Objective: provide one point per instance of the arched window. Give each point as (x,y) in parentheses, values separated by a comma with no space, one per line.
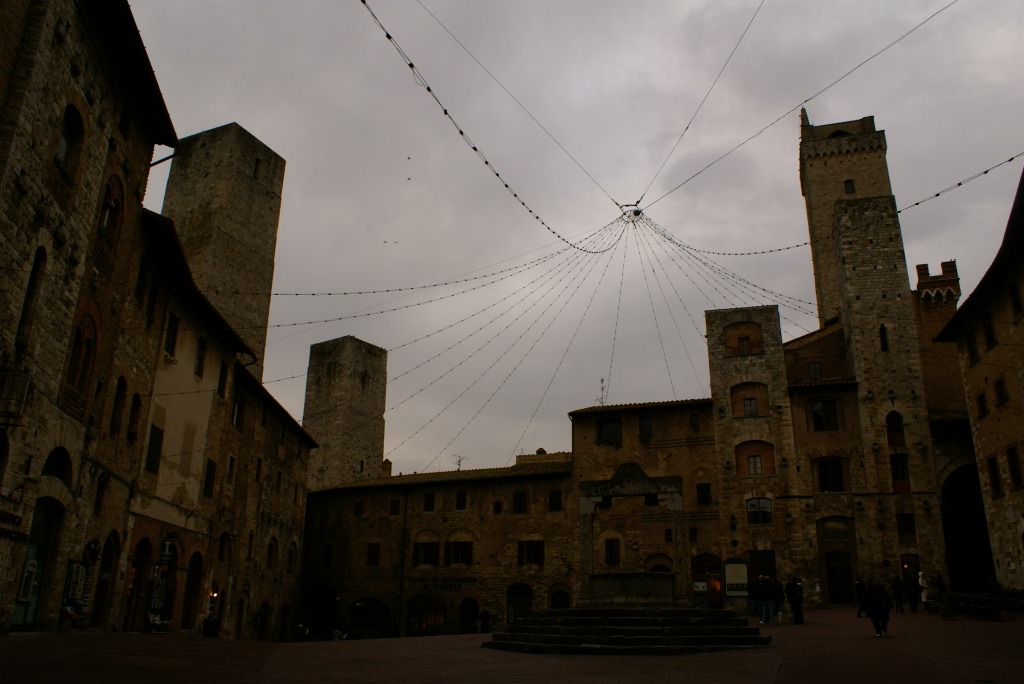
(743,338)
(293,556)
(749,400)
(83,353)
(894,429)
(755,458)
(646,428)
(271,553)
(102,485)
(58,465)
(23,338)
(134,413)
(69,143)
(117,408)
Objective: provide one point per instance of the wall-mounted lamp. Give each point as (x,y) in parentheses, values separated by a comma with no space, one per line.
(789,518)
(892,397)
(778,409)
(870,396)
(875,446)
(721,412)
(732,523)
(728,465)
(784,462)
(913,395)
(927,505)
(859,506)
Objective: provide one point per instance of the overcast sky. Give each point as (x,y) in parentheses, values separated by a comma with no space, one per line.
(381,192)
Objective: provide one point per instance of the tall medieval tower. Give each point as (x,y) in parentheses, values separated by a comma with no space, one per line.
(346,389)
(861,276)
(224,196)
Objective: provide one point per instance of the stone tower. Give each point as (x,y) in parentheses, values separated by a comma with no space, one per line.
(837,161)
(861,275)
(224,196)
(346,389)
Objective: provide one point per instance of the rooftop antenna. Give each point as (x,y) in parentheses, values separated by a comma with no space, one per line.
(458,461)
(602,398)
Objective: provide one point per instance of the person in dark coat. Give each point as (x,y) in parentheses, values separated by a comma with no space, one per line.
(877,604)
(898,591)
(913,592)
(795,596)
(858,594)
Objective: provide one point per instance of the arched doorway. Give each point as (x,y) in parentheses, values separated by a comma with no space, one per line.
(193,591)
(104,581)
(38,570)
(707,581)
(469,615)
(837,544)
(426,616)
(137,586)
(518,601)
(262,621)
(285,618)
(370,618)
(239,618)
(560,597)
(968,551)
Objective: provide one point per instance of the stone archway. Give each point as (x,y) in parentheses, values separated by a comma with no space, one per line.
(36,598)
(193,591)
(102,595)
(968,551)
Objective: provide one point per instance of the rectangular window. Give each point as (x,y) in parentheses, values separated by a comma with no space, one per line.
(703,493)
(357,509)
(171,338)
(693,535)
(1015,303)
(982,405)
(995,480)
(531,553)
(425,553)
(1002,396)
(611,552)
(555,500)
(759,511)
(259,469)
(222,380)
(460,500)
(824,417)
(1013,465)
(428,502)
(650,499)
(694,421)
(373,554)
(519,502)
(743,345)
(906,529)
(328,556)
(899,467)
(749,408)
(814,371)
(496,508)
(972,348)
(668,535)
(458,553)
(238,410)
(156,445)
(394,507)
(209,478)
(989,331)
(830,475)
(231,470)
(200,365)
(755,465)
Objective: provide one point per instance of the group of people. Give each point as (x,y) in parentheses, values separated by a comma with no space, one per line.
(875,601)
(768,596)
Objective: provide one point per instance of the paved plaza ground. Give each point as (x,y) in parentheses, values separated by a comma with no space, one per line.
(833,647)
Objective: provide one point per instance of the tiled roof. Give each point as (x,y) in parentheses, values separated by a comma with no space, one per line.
(646,404)
(563,467)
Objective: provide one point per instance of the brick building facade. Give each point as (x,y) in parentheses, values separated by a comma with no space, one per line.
(837,454)
(147,480)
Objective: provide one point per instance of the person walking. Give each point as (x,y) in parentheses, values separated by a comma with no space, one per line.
(795,596)
(898,591)
(877,604)
(858,594)
(913,592)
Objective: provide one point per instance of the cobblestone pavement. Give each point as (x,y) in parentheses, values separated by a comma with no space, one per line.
(834,646)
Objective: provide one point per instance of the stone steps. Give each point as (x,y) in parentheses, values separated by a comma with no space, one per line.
(629,631)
